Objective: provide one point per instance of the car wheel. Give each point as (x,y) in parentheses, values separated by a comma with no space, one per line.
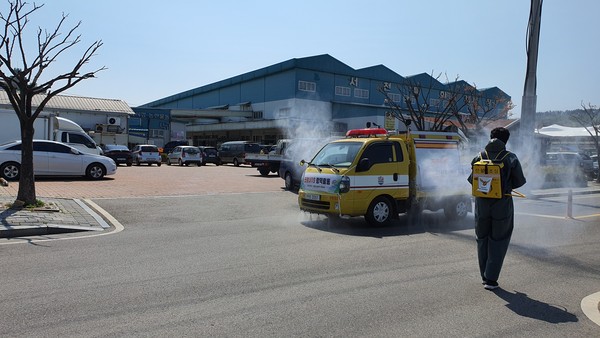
(289,182)
(380,212)
(235,162)
(168,161)
(158,164)
(264,172)
(456,209)
(95,171)
(129,163)
(180,162)
(137,161)
(10,171)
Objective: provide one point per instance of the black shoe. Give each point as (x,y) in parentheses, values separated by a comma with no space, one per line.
(491,285)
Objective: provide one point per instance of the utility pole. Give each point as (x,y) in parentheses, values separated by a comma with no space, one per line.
(528,105)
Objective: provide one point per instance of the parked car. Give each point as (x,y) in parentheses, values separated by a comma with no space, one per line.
(52,158)
(210,155)
(571,159)
(146,153)
(172,144)
(235,151)
(119,153)
(595,165)
(185,155)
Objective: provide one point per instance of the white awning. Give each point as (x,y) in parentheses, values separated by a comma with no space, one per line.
(556,130)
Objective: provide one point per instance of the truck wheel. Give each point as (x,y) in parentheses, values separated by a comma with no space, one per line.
(456,209)
(380,212)
(95,171)
(10,171)
(235,162)
(289,182)
(264,172)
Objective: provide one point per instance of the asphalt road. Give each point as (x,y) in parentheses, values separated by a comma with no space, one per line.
(250,264)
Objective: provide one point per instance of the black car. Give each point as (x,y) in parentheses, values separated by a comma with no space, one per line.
(120,154)
(171,145)
(210,155)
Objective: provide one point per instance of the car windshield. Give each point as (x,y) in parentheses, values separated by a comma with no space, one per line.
(339,154)
(110,147)
(252,148)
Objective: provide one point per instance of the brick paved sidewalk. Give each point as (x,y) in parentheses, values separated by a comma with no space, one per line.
(58,216)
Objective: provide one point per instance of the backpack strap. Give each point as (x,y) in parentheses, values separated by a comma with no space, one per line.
(506,152)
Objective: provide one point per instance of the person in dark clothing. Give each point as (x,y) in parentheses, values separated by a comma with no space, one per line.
(494,218)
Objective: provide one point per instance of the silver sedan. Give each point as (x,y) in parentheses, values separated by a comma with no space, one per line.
(54,159)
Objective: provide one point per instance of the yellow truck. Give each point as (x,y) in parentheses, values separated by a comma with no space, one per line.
(374,174)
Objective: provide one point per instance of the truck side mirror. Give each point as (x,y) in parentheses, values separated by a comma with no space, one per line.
(363,165)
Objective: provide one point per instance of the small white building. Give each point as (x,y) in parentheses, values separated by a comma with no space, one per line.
(105,120)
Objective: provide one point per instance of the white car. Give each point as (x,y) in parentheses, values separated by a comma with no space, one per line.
(52,158)
(185,155)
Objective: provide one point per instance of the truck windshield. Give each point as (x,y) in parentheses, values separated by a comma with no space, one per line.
(339,154)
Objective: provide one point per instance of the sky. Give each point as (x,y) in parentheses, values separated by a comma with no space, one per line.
(153,49)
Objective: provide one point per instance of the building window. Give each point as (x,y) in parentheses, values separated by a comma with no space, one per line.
(306,86)
(284,113)
(135,122)
(157,133)
(342,91)
(394,97)
(361,93)
(257,114)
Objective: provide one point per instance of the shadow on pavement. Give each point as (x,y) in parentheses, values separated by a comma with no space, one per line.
(524,306)
(429,222)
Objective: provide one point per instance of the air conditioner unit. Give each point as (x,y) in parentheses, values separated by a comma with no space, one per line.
(113,120)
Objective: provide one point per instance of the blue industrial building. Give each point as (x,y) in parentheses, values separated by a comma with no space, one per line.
(299,97)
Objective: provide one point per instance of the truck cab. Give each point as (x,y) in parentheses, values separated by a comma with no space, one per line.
(375,175)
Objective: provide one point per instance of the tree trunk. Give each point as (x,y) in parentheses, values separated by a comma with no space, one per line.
(26,192)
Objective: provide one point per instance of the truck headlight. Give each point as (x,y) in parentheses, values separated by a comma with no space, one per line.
(345,184)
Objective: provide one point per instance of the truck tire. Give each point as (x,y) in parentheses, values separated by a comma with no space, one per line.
(456,208)
(95,171)
(289,182)
(11,171)
(380,212)
(264,171)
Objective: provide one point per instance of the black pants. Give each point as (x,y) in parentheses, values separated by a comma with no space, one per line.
(494,223)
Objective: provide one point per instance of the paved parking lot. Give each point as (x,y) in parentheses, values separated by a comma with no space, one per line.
(145,181)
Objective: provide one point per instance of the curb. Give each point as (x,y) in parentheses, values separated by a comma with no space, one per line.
(40,230)
(27,223)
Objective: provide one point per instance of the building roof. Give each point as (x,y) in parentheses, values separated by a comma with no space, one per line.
(76,103)
(557,130)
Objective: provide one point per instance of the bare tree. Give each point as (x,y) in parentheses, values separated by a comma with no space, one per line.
(21,75)
(589,118)
(437,109)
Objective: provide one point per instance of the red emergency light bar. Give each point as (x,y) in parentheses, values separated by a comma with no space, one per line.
(366,132)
